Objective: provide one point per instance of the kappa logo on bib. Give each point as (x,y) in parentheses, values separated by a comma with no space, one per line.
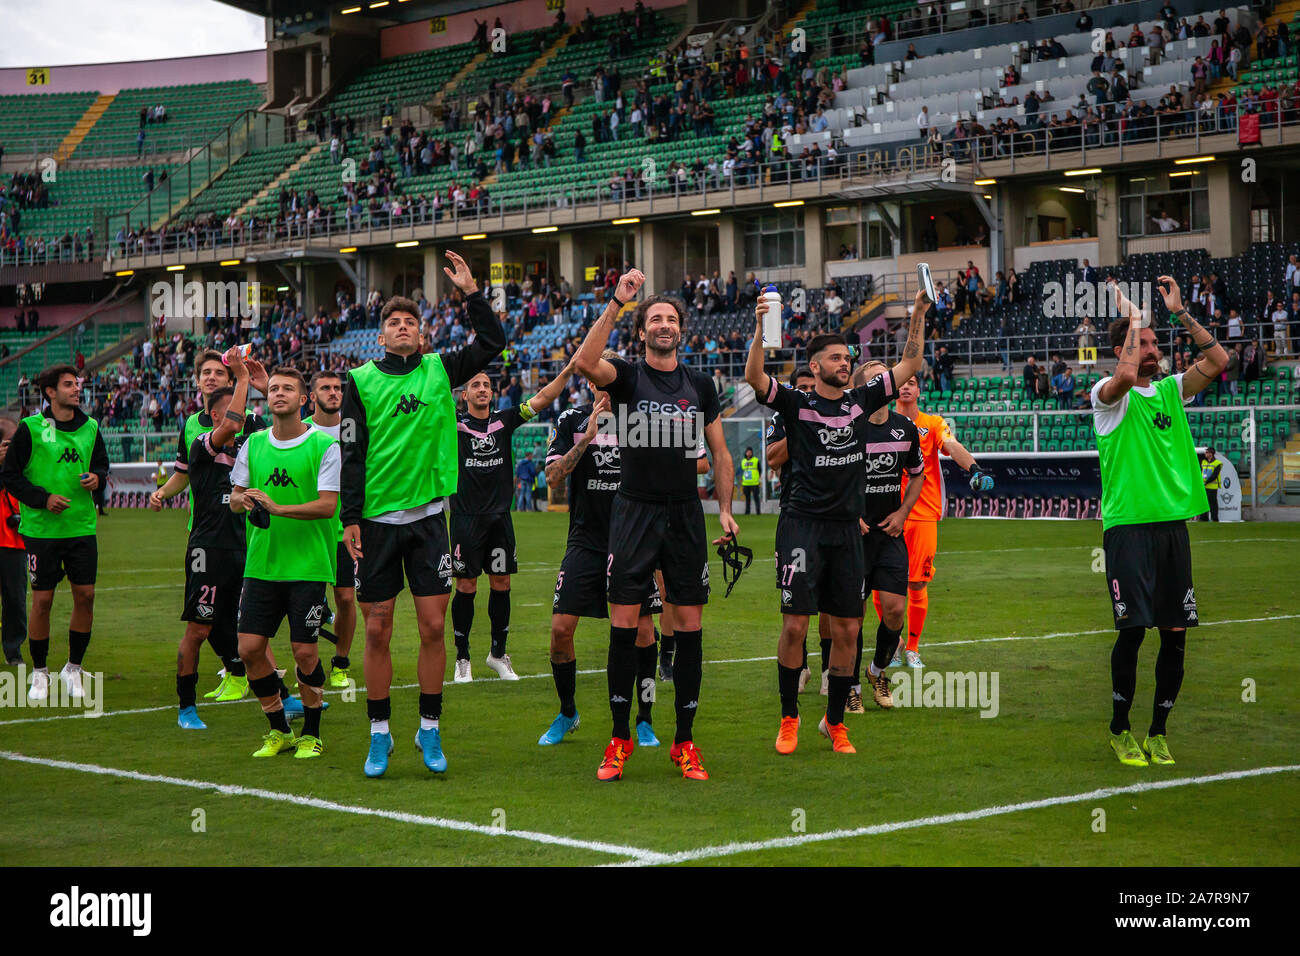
(69,454)
(407,405)
(279,478)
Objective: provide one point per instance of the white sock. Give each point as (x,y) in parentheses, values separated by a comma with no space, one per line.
(43,670)
(857,688)
(428,723)
(74,668)
(379,726)
(871,669)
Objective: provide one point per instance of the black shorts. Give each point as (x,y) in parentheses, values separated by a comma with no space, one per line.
(580,586)
(418,548)
(1149,571)
(482,544)
(49,559)
(819,566)
(645,535)
(885,559)
(345,572)
(263,606)
(214,578)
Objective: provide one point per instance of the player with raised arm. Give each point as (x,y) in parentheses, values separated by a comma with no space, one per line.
(819,550)
(399,464)
(1150,486)
(893,449)
(657,518)
(56,462)
(921,531)
(211,374)
(590,458)
(482,532)
(777,453)
(327,399)
(288,478)
(215,551)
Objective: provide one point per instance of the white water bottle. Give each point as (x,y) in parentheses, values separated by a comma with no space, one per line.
(243,350)
(772,318)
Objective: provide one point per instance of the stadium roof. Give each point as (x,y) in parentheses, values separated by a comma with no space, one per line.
(395,11)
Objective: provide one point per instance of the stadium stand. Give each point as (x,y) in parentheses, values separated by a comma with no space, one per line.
(194,114)
(39,121)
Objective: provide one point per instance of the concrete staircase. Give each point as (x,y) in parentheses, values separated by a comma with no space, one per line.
(83,126)
(278,180)
(526,77)
(436,103)
(803,11)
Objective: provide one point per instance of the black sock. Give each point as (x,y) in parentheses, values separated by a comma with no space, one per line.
(566,685)
(857,663)
(805,654)
(381,709)
(826,654)
(620,677)
(667,644)
(837,696)
(688,671)
(185,689)
(235,668)
(278,720)
(78,641)
(886,644)
(311,721)
(1123,675)
(338,663)
(499,616)
(40,652)
(1169,678)
(284,690)
(225,644)
(430,706)
(462,619)
(787,682)
(645,683)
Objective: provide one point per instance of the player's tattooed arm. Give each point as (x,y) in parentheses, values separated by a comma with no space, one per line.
(912,361)
(551,390)
(560,469)
(1129,354)
(1213,358)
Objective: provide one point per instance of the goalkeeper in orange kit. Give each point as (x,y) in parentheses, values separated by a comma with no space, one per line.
(921,531)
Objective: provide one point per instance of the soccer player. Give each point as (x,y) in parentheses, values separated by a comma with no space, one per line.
(327,398)
(893,448)
(399,463)
(591,459)
(657,519)
(289,478)
(211,373)
(482,532)
(921,531)
(1150,485)
(55,463)
(819,549)
(778,457)
(214,554)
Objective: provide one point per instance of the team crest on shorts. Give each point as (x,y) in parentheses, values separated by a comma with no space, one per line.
(205,611)
(1121,610)
(315,615)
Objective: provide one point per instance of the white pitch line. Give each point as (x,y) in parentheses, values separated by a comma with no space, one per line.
(443,823)
(601,670)
(732,849)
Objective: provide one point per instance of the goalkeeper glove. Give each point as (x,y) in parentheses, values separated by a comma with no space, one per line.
(980,480)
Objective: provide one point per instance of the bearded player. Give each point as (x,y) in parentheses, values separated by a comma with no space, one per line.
(921,532)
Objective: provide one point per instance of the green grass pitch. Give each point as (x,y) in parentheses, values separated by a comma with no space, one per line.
(1020,598)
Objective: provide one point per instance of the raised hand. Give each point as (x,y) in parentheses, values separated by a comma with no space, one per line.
(257,376)
(629,284)
(460,275)
(1170,292)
